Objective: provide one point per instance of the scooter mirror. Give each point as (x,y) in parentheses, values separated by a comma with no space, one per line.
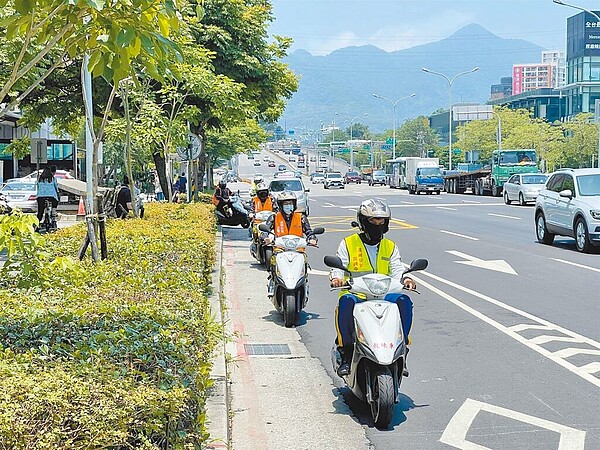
(264,227)
(418,264)
(354,224)
(334,261)
(319,230)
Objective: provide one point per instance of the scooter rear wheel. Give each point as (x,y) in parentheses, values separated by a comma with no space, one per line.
(268,255)
(289,310)
(382,407)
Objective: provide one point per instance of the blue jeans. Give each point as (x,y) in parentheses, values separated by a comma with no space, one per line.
(345,322)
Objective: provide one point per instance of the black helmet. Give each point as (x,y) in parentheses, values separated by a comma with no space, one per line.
(222,184)
(373,208)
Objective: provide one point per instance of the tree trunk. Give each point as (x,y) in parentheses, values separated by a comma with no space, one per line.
(161,169)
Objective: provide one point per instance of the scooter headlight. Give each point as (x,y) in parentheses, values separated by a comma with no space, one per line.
(360,336)
(378,287)
(291,244)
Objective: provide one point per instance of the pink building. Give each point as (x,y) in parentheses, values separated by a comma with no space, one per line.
(527,77)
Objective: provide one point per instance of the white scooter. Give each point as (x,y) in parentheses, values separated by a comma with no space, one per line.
(289,275)
(379,352)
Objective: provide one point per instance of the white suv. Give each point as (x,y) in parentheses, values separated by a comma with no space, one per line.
(333,179)
(569,205)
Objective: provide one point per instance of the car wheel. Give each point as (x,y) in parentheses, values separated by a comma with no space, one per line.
(582,238)
(521,199)
(541,231)
(506,199)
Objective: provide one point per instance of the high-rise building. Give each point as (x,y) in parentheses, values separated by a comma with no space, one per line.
(504,89)
(528,77)
(556,58)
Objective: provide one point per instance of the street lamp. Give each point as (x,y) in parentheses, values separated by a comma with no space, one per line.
(560,2)
(394,121)
(351,120)
(450,81)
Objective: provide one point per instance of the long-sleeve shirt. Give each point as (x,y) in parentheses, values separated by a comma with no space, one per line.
(396,266)
(48,189)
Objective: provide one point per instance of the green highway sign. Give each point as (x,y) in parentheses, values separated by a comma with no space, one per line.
(366,147)
(343,150)
(456,151)
(389,141)
(323,144)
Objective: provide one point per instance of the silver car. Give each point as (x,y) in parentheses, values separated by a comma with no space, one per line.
(569,205)
(294,185)
(21,194)
(523,187)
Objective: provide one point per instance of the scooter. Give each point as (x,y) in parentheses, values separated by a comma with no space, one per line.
(259,248)
(235,213)
(289,276)
(4,206)
(379,355)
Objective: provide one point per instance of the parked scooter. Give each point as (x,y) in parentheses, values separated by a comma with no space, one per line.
(4,206)
(378,359)
(235,213)
(289,275)
(258,248)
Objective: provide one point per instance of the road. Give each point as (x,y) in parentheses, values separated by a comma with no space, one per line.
(506,336)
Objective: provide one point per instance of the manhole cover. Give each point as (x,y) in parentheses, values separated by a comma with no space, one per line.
(267,349)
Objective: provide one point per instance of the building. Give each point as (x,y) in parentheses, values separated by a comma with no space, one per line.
(545,103)
(504,89)
(582,87)
(556,58)
(529,77)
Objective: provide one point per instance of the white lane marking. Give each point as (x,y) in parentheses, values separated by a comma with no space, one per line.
(591,367)
(407,204)
(318,272)
(455,433)
(576,265)
(544,339)
(568,352)
(505,217)
(472,201)
(459,235)
(525,326)
(445,207)
(499,265)
(508,331)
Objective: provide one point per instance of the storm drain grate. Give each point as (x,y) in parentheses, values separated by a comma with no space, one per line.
(267,349)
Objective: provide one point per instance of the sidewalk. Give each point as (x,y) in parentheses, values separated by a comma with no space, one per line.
(269,393)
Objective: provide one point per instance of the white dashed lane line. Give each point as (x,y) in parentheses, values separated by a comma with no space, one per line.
(576,265)
(459,235)
(505,217)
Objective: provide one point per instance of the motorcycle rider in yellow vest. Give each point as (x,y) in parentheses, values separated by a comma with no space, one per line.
(362,253)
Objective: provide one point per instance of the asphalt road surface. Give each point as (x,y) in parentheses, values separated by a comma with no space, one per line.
(506,335)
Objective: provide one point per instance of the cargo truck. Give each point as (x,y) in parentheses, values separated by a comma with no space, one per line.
(488,179)
(424,175)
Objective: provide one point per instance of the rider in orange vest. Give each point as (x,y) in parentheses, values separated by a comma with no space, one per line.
(262,201)
(290,221)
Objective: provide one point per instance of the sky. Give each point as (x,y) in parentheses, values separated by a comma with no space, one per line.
(322,26)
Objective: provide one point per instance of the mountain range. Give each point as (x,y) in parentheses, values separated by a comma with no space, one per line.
(345,80)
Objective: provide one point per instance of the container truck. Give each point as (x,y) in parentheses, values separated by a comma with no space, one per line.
(488,179)
(424,175)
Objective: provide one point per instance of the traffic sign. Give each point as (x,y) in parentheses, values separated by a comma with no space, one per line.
(386,146)
(456,151)
(366,147)
(343,150)
(389,141)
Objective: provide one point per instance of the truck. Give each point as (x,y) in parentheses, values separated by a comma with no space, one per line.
(488,179)
(424,175)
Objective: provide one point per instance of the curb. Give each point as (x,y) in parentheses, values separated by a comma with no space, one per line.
(218,423)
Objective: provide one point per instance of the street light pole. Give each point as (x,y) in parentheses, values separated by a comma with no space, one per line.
(560,2)
(394,118)
(351,120)
(450,82)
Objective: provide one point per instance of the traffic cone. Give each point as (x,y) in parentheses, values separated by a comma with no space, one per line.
(81,209)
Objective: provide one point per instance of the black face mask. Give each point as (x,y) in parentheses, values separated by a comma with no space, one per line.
(373,233)
(262,196)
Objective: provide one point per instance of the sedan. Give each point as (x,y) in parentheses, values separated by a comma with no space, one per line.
(271,163)
(523,187)
(21,194)
(282,168)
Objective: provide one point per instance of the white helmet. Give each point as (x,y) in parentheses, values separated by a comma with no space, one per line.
(373,208)
(286,196)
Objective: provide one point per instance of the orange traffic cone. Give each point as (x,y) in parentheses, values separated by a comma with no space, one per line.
(81,209)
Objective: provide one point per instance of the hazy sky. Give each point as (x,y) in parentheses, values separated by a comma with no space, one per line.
(321,26)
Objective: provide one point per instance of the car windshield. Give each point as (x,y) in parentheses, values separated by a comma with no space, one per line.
(589,185)
(286,185)
(19,187)
(534,179)
(522,157)
(379,173)
(352,174)
(334,175)
(430,171)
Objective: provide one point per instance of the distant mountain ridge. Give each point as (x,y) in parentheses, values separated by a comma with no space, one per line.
(345,80)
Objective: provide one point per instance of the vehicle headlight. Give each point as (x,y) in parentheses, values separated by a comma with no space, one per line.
(378,287)
(291,244)
(360,335)
(595,213)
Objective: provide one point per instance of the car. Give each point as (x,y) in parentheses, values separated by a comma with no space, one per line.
(377,177)
(569,205)
(282,168)
(523,187)
(292,158)
(313,159)
(333,179)
(294,185)
(272,163)
(62,174)
(250,156)
(21,194)
(297,174)
(265,158)
(301,165)
(352,177)
(317,178)
(257,162)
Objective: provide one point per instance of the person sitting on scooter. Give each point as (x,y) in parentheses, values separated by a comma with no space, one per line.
(222,196)
(289,221)
(262,201)
(362,253)
(258,179)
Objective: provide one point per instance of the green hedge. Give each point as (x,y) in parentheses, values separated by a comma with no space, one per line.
(115,354)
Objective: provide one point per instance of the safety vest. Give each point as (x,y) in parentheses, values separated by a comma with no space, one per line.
(359,258)
(214,200)
(281,228)
(260,206)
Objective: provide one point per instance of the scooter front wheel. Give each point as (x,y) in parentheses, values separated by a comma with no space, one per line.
(382,406)
(268,255)
(289,310)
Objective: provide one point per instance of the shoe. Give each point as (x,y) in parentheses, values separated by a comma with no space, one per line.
(346,354)
(270,288)
(405,370)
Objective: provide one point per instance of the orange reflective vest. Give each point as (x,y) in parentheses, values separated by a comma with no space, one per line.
(281,228)
(214,200)
(260,206)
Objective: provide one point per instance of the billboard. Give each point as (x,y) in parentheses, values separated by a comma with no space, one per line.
(583,35)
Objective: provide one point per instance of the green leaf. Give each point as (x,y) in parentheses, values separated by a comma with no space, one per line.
(200,12)
(125,37)
(24,7)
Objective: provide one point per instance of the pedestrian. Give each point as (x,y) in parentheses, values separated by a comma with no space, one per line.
(123,199)
(183,183)
(158,188)
(47,189)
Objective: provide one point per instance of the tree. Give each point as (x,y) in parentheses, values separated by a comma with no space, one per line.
(415,138)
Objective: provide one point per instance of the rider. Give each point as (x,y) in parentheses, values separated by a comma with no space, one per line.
(262,201)
(258,179)
(221,196)
(289,221)
(47,189)
(362,253)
